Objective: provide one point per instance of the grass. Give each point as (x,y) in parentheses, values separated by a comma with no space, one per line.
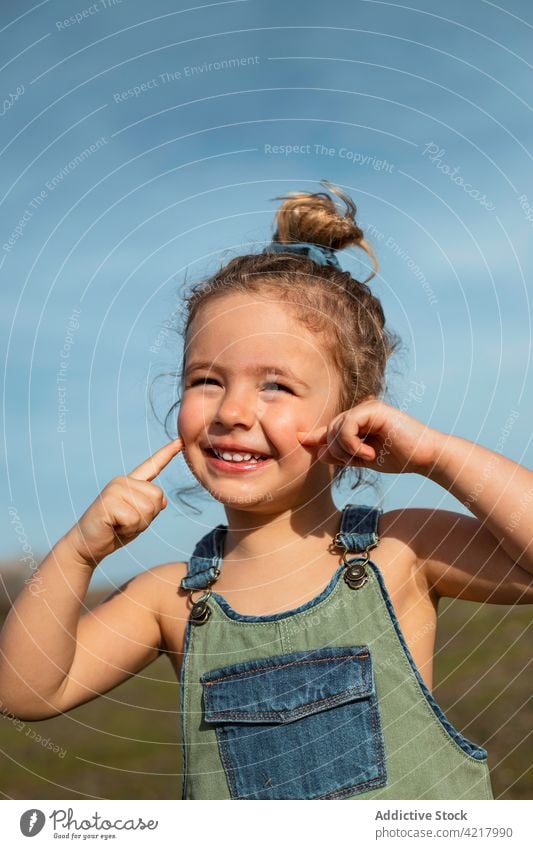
(125,745)
(483,684)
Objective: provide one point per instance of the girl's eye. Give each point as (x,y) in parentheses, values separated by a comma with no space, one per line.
(278,386)
(202,381)
(271,385)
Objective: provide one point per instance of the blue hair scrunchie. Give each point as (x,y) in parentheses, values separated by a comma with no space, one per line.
(317,253)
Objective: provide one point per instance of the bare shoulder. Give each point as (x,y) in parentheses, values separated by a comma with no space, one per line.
(398,556)
(397,524)
(397,531)
(167,576)
(172,606)
(457,556)
(151,586)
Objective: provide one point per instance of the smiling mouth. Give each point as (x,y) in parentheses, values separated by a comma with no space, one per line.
(237,458)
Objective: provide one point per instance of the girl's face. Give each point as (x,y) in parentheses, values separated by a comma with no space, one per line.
(253,377)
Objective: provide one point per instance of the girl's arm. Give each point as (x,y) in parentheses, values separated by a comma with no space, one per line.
(497,490)
(488,558)
(50,659)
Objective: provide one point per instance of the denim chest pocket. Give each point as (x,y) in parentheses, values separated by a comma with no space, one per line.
(304,725)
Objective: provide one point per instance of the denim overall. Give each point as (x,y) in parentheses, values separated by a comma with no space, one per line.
(320,702)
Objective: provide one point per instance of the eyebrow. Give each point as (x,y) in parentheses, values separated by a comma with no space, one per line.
(280,371)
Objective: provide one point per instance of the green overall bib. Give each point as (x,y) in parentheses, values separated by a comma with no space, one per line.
(320,702)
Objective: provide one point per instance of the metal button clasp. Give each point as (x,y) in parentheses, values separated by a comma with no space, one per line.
(200,611)
(355,574)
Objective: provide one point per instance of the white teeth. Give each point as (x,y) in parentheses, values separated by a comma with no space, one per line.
(237,457)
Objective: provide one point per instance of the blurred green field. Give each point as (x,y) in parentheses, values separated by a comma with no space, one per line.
(483,684)
(125,744)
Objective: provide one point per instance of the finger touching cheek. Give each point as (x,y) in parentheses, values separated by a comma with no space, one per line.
(324,455)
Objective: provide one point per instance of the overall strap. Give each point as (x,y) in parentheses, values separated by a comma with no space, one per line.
(205,561)
(359,527)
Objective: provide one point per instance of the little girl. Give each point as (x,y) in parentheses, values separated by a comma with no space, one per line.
(303,635)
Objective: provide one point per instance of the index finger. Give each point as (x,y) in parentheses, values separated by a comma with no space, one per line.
(151,467)
(319,436)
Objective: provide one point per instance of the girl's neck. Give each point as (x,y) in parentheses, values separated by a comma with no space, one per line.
(285,534)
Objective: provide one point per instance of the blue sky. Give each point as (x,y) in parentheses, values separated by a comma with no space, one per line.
(142,142)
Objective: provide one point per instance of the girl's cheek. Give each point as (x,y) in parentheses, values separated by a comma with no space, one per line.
(284,428)
(189,419)
(279,422)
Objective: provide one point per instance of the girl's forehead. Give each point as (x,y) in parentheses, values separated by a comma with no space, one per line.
(249,328)
(247,319)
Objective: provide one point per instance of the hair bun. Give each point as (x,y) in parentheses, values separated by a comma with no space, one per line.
(315,218)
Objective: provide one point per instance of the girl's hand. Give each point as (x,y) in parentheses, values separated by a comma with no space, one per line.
(123,510)
(376,436)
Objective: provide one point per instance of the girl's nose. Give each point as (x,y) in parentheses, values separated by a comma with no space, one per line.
(236,408)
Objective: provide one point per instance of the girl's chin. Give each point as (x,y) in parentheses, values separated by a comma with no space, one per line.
(245,502)
(230,489)
(233,491)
